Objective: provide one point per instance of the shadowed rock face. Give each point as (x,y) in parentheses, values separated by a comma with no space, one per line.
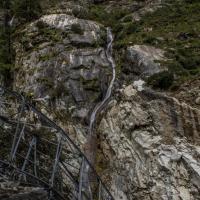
(150,143)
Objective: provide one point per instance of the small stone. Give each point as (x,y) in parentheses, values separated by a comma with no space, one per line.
(184,193)
(197,101)
(129,91)
(139,85)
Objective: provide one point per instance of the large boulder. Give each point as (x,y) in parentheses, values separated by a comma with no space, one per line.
(82,31)
(61,60)
(141,60)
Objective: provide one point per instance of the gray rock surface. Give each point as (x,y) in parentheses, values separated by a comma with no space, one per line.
(58,64)
(189,93)
(91,30)
(1,80)
(150,143)
(142,60)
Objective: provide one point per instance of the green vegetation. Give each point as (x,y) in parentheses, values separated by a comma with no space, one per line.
(22,9)
(175,28)
(49,33)
(80,13)
(76,28)
(26,9)
(99,13)
(5,53)
(5,42)
(162,80)
(44,33)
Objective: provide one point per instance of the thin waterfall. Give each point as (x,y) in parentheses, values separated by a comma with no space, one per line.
(100,105)
(85,171)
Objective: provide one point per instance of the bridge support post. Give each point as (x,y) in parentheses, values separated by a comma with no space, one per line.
(17,130)
(32,143)
(18,141)
(57,157)
(81,179)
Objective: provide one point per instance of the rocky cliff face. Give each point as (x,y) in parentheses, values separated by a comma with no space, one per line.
(141,61)
(150,143)
(147,143)
(61,63)
(60,57)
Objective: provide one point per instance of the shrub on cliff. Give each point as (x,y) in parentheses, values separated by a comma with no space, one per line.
(162,80)
(26,9)
(76,28)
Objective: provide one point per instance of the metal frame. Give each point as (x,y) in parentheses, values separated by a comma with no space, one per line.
(42,154)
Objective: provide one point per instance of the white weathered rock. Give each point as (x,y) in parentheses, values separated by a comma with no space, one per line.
(129,91)
(139,85)
(91,30)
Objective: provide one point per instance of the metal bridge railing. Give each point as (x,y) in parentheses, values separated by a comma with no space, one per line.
(37,152)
